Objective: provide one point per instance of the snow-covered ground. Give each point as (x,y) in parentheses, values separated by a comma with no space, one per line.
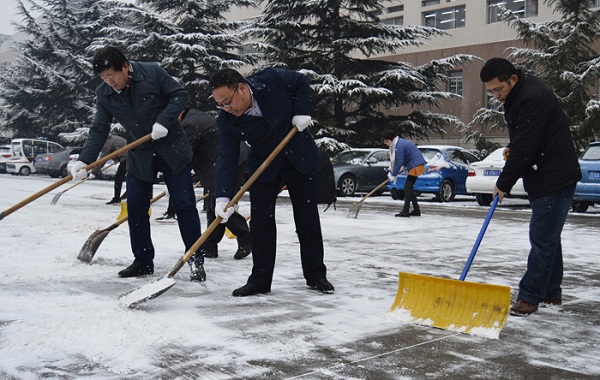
(61,318)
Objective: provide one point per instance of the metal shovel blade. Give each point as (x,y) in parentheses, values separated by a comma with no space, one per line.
(91,245)
(56,197)
(147,292)
(466,307)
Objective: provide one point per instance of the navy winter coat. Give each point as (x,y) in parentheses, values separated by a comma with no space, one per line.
(281,94)
(155,98)
(541,145)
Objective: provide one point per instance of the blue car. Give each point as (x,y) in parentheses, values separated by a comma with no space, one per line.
(587,192)
(446,172)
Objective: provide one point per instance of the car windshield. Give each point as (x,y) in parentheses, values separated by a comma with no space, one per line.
(350,157)
(592,153)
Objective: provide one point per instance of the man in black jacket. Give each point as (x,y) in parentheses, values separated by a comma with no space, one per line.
(541,151)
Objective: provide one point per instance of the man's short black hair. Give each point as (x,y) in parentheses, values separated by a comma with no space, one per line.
(388,134)
(108,57)
(225,77)
(497,68)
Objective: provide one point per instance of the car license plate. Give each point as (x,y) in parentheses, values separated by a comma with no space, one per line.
(594,175)
(492,172)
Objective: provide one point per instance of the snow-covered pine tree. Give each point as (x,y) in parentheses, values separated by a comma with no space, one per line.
(564,54)
(190,39)
(336,42)
(50,88)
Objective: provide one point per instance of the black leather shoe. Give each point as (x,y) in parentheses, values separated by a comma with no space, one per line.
(136,270)
(415,213)
(321,285)
(249,290)
(403,214)
(114,201)
(242,252)
(211,253)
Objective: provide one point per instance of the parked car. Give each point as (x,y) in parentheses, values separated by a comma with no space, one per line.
(5,155)
(361,169)
(55,164)
(25,152)
(445,173)
(109,170)
(483,176)
(587,192)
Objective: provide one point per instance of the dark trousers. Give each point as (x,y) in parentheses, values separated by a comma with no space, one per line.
(544,274)
(302,189)
(409,194)
(119,178)
(138,202)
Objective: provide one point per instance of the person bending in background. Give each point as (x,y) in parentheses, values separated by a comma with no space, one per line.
(404,153)
(203,135)
(543,154)
(261,110)
(145,99)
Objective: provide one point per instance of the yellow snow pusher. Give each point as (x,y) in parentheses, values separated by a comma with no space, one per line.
(457,305)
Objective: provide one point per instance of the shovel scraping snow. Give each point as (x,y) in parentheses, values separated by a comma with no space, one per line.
(457,305)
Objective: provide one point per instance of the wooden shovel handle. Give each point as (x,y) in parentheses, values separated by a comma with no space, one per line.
(61,182)
(209,230)
(374,191)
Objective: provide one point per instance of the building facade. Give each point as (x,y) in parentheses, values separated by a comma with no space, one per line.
(473,27)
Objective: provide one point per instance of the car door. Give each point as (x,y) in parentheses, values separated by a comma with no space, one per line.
(374,170)
(461,170)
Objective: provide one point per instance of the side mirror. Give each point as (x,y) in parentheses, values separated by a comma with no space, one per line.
(372,160)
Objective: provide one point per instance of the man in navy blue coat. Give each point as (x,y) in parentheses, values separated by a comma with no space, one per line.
(144,99)
(261,110)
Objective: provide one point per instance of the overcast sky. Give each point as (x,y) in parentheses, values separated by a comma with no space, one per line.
(7,15)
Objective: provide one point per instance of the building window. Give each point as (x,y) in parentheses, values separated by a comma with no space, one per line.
(426,3)
(521,8)
(394,20)
(455,82)
(596,4)
(396,8)
(447,18)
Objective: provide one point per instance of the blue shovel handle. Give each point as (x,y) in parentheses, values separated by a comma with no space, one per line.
(479,238)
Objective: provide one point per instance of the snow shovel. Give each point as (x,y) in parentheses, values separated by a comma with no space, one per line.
(158,287)
(57,196)
(61,182)
(355,209)
(457,305)
(97,237)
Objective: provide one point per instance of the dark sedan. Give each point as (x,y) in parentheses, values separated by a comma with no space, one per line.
(360,170)
(55,164)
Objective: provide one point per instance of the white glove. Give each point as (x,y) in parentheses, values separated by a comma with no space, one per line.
(78,170)
(224,214)
(158,131)
(92,176)
(392,178)
(301,122)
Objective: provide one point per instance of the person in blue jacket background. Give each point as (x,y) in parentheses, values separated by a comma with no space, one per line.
(405,156)
(145,99)
(261,109)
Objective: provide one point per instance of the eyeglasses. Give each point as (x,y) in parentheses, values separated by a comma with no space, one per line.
(498,90)
(224,105)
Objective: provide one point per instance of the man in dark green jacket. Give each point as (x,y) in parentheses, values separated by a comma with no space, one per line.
(541,151)
(144,99)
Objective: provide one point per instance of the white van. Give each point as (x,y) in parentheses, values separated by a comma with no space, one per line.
(24,153)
